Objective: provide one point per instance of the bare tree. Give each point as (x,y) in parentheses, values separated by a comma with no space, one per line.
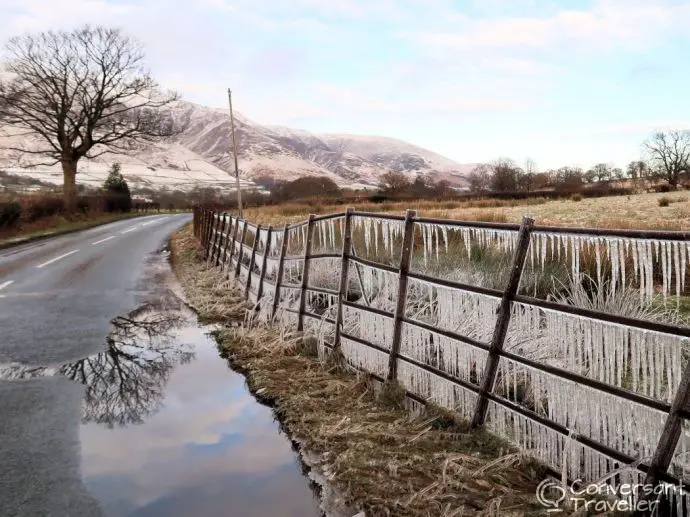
(669,155)
(602,172)
(393,182)
(479,179)
(638,171)
(526,181)
(505,175)
(82,93)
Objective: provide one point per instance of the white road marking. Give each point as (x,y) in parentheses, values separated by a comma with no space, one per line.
(6,284)
(52,261)
(156,220)
(103,240)
(130,229)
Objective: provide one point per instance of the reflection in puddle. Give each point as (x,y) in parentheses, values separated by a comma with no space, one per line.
(210,449)
(126,383)
(167,429)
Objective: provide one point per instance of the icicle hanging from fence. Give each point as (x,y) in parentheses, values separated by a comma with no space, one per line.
(461,360)
(644,361)
(321,304)
(617,260)
(434,236)
(365,358)
(438,390)
(321,330)
(553,448)
(472,315)
(380,287)
(623,425)
(368,326)
(384,232)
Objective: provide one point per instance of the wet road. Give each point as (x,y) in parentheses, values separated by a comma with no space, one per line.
(58,296)
(138,417)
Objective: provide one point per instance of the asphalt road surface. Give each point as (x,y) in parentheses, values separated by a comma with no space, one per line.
(57,298)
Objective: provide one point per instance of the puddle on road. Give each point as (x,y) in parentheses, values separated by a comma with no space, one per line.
(171,431)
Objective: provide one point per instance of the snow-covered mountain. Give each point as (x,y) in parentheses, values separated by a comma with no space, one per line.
(202,155)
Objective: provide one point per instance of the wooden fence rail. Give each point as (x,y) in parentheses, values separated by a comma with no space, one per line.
(223,238)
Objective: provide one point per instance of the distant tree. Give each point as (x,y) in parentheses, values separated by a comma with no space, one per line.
(526,181)
(505,175)
(119,198)
(307,187)
(393,182)
(618,174)
(82,93)
(638,169)
(479,179)
(669,155)
(441,188)
(568,178)
(600,172)
(541,180)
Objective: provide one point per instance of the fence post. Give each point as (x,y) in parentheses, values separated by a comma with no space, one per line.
(195,221)
(252,260)
(344,275)
(267,249)
(668,441)
(202,228)
(240,253)
(305,274)
(502,321)
(209,232)
(235,229)
(202,222)
(405,258)
(231,224)
(217,221)
(279,273)
(218,243)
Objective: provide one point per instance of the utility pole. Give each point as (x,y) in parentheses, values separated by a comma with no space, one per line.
(234,152)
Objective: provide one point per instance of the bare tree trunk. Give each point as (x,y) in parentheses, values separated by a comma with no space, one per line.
(69,187)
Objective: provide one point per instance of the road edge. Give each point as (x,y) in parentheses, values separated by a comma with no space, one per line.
(37,238)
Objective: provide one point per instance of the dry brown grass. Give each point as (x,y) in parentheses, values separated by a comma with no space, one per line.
(627,212)
(381,458)
(210,293)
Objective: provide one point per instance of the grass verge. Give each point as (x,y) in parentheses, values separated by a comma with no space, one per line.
(380,457)
(53,226)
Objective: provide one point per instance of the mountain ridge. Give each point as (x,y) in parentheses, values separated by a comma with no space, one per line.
(202,155)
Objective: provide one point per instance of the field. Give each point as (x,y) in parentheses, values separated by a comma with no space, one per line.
(635,211)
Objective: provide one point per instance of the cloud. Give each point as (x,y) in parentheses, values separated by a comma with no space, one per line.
(607,25)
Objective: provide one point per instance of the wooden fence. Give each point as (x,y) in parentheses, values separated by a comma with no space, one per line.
(611,401)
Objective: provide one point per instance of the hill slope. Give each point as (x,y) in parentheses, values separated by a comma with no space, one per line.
(202,155)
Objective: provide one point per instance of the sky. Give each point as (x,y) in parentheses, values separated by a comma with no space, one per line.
(572,82)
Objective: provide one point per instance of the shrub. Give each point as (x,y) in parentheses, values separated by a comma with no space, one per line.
(576,197)
(40,207)
(10,214)
(665,187)
(664,201)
